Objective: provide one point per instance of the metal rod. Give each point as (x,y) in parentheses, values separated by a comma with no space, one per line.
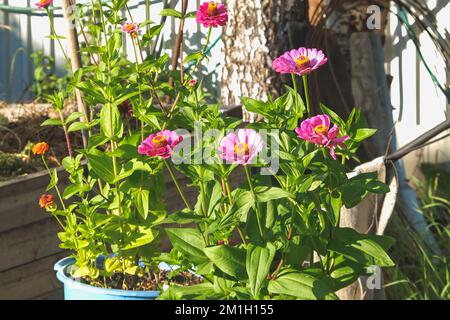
(413,145)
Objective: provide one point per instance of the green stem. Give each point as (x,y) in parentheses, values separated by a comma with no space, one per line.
(174,179)
(52,26)
(56,186)
(294,83)
(258,212)
(66,134)
(230,198)
(305,87)
(189,77)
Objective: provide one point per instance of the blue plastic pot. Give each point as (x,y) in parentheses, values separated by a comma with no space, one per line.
(75,290)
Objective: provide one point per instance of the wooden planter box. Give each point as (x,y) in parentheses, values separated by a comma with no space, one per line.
(29,246)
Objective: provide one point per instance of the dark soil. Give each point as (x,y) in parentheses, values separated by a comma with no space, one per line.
(149,282)
(20,128)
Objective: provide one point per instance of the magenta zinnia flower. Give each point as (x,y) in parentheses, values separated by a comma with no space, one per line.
(42,4)
(160,144)
(301,62)
(317,130)
(212,14)
(241,148)
(130,28)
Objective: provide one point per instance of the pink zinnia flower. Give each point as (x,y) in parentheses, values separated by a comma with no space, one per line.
(130,28)
(317,130)
(160,144)
(212,14)
(42,4)
(302,61)
(241,148)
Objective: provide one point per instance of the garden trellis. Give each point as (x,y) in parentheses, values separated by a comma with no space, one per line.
(24,30)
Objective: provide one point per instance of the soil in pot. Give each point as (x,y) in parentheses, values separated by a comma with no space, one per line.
(148,282)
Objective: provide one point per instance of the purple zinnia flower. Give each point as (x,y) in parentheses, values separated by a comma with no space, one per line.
(212,14)
(317,130)
(160,144)
(241,148)
(301,62)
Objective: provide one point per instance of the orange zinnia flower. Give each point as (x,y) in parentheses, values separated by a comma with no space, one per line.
(46,201)
(40,148)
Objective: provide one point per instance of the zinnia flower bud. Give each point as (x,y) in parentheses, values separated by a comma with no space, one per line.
(241,148)
(212,14)
(40,148)
(301,62)
(126,109)
(317,130)
(192,83)
(160,144)
(42,4)
(46,201)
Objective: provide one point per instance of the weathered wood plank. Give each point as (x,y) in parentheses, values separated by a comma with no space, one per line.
(53,295)
(34,241)
(33,280)
(19,199)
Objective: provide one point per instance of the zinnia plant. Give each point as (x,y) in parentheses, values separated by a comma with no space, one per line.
(255,230)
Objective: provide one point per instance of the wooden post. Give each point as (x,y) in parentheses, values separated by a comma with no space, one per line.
(75,58)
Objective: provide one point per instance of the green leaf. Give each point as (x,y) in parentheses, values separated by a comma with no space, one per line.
(199,291)
(74,189)
(53,179)
(334,117)
(88,88)
(358,187)
(242,202)
(363,134)
(141,200)
(230,260)
(110,123)
(188,241)
(193,56)
(301,285)
(345,272)
(74,116)
(171,13)
(102,165)
(191,14)
(143,236)
(348,242)
(185,216)
(51,122)
(255,106)
(258,264)
(265,194)
(77,126)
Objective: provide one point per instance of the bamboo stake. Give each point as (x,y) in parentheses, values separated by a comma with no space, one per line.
(75,59)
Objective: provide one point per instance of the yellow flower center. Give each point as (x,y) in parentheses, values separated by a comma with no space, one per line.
(129,27)
(321,129)
(212,8)
(302,61)
(241,149)
(158,141)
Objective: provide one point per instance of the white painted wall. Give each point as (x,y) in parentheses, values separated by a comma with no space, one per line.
(418,102)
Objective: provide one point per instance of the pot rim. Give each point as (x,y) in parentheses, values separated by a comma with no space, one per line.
(62,275)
